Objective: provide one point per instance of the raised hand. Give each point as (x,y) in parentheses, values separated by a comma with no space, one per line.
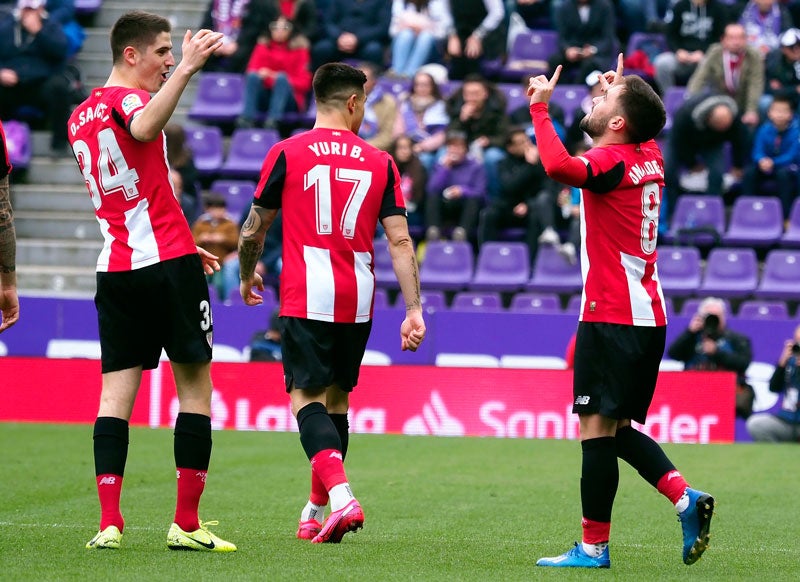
(540,88)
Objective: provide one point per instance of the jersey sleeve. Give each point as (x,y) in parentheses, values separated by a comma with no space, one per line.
(127,105)
(273,176)
(393,203)
(557,162)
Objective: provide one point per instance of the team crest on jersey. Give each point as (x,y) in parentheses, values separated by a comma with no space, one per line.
(131,103)
(210,338)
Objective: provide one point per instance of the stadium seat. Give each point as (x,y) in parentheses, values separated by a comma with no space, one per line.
(432,300)
(87,6)
(679,270)
(673,99)
(238,195)
(573,305)
(477,301)
(757,309)
(569,97)
(535,303)
(516,96)
(690,306)
(448,266)
(383,269)
(781,277)
(528,55)
(501,266)
(791,238)
(698,220)
(649,42)
(247,151)
(730,273)
(755,221)
(19,143)
(219,98)
(553,273)
(207,148)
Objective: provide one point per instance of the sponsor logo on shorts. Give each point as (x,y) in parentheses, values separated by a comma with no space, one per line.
(582,400)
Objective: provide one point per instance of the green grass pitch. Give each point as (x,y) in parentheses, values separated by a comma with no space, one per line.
(436,509)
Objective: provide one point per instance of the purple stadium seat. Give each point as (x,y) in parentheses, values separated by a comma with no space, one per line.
(697,220)
(247,151)
(395,87)
(673,99)
(238,194)
(690,306)
(730,273)
(431,300)
(383,269)
(87,6)
(516,96)
(791,238)
(220,98)
(381,300)
(573,305)
(528,55)
(781,277)
(554,274)
(755,221)
(755,309)
(447,265)
(569,97)
(679,270)
(649,42)
(501,266)
(535,303)
(477,301)
(18,143)
(207,148)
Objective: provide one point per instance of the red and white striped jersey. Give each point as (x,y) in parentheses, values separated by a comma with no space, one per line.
(620,207)
(332,188)
(5,163)
(128,181)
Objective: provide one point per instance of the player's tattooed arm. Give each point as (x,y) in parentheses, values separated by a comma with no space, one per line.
(251,239)
(8,240)
(414,302)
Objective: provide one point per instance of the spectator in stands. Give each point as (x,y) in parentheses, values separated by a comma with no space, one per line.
(478,34)
(773,168)
(732,67)
(701,128)
(782,69)
(693,25)
(265,345)
(217,232)
(380,110)
(576,135)
(185,178)
(525,196)
(278,78)
(478,110)
(416,28)
(33,50)
(413,178)
(708,344)
(422,115)
(354,29)
(782,425)
(456,190)
(764,21)
(536,14)
(587,38)
(643,15)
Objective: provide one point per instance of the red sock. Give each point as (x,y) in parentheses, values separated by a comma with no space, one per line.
(595,532)
(672,485)
(109,489)
(319,495)
(328,466)
(191,483)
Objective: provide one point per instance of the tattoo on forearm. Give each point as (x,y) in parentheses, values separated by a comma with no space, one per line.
(251,240)
(8,239)
(414,302)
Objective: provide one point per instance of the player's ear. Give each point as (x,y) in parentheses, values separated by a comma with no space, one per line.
(352,102)
(617,123)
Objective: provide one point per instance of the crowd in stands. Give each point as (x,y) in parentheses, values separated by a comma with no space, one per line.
(455,120)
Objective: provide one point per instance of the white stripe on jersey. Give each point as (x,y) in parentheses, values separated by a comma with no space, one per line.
(657,279)
(320,286)
(365,283)
(105,254)
(641,304)
(140,234)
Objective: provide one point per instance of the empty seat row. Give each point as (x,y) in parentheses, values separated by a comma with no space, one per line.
(245,156)
(755,221)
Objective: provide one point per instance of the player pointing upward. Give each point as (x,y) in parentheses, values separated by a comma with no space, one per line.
(622,327)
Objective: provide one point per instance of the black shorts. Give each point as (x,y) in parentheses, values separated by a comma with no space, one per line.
(165,305)
(318,354)
(616,368)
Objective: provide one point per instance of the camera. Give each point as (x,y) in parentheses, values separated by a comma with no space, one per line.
(796,349)
(711,326)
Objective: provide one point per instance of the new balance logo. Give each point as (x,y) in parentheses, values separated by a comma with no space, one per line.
(672,474)
(335,455)
(108,480)
(582,400)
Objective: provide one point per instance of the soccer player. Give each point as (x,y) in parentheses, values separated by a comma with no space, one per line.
(622,328)
(9,302)
(151,288)
(333,187)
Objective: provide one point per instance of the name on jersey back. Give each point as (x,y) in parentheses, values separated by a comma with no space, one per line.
(335,148)
(89,114)
(645,169)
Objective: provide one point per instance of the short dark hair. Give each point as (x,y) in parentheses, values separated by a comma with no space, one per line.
(138,29)
(336,82)
(643,109)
